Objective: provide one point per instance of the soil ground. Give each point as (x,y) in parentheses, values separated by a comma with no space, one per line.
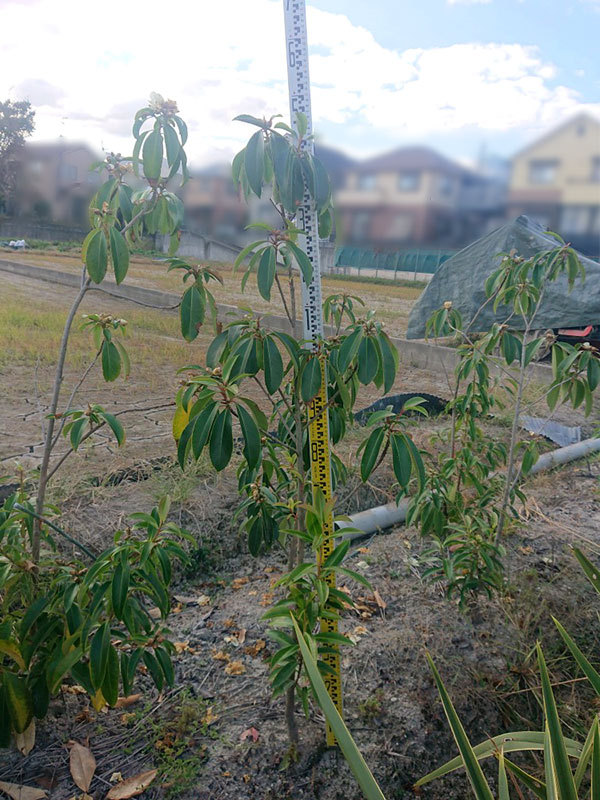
(201,735)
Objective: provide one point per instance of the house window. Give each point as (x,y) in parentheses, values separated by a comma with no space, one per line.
(68,172)
(360,225)
(367,182)
(401,228)
(446,185)
(409,181)
(596,169)
(542,172)
(575,219)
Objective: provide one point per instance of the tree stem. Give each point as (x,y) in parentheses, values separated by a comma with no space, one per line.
(58,379)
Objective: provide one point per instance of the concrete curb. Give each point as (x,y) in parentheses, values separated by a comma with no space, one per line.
(414,353)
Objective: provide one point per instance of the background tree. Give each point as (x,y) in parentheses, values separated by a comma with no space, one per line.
(16,123)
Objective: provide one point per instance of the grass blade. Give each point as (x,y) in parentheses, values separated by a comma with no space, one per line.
(352,754)
(560,759)
(478,782)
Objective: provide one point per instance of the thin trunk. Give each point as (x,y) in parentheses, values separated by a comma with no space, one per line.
(513,440)
(58,379)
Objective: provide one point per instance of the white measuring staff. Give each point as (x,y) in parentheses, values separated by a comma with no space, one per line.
(320,456)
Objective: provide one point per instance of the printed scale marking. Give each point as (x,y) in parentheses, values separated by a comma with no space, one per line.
(320,459)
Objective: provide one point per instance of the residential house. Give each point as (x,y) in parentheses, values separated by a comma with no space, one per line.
(413,196)
(212,204)
(556,180)
(53,182)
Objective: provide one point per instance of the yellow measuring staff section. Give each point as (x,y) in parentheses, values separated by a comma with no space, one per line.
(320,471)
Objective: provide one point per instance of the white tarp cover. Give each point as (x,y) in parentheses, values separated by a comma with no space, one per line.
(462,277)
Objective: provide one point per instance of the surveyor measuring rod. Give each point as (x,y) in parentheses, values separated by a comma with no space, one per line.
(320,456)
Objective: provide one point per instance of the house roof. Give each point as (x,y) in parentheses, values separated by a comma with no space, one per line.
(582,116)
(411,158)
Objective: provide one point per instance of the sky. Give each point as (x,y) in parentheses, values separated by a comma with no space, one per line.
(463,76)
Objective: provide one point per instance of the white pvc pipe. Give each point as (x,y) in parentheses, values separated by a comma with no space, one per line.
(380,517)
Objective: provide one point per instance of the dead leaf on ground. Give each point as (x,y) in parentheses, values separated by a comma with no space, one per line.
(241,635)
(252,593)
(209,717)
(237,583)
(74,689)
(379,600)
(132,786)
(235,668)
(221,655)
(266,599)
(19,792)
(181,647)
(82,766)
(254,649)
(115,777)
(26,740)
(360,630)
(229,622)
(125,702)
(250,733)
(128,717)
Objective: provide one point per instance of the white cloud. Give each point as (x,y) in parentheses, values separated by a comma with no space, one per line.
(221,59)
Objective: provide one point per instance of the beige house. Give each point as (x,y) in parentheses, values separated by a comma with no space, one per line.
(54,183)
(557,181)
(415,196)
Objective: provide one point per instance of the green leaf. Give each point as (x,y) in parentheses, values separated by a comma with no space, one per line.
(18,699)
(191,313)
(564,775)
(202,428)
(115,426)
(349,349)
(401,460)
(322,194)
(303,261)
(592,573)
(273,365)
(166,665)
(110,684)
(588,670)
(370,453)
(389,360)
(154,669)
(95,255)
(254,162)
(352,754)
(59,668)
(152,155)
(595,767)
(266,273)
(77,430)
(368,360)
(216,348)
(476,777)
(221,441)
(99,655)
(125,204)
(251,434)
(120,588)
(311,379)
(260,123)
(111,361)
(172,145)
(119,253)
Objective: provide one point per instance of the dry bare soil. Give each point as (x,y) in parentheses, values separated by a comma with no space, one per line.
(219,734)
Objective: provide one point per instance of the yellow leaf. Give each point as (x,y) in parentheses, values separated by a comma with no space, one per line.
(209,717)
(180,420)
(26,740)
(235,668)
(11,649)
(98,700)
(18,792)
(82,766)
(132,786)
